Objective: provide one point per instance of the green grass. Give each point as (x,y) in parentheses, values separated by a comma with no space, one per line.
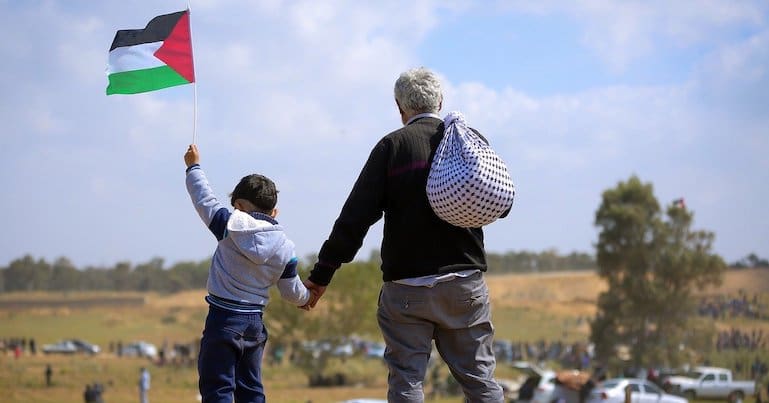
(101,326)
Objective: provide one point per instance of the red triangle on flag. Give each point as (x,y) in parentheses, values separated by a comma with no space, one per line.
(176,50)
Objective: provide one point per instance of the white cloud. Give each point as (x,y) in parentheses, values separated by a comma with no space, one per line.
(622,32)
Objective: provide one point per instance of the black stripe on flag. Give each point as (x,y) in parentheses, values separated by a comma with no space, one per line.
(157,29)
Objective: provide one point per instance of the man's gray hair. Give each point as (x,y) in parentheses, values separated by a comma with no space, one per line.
(419,91)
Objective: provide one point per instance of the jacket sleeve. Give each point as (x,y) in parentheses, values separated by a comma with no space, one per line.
(291,287)
(363,208)
(213,213)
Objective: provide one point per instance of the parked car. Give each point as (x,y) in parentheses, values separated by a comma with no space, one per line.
(641,391)
(61,347)
(539,384)
(140,349)
(71,346)
(86,347)
(711,383)
(375,350)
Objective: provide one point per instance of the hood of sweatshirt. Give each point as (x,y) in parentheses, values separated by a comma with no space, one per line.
(257,236)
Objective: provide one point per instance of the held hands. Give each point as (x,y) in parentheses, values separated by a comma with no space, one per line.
(192,156)
(316,291)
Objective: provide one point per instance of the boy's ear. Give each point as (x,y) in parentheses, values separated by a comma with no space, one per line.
(274,212)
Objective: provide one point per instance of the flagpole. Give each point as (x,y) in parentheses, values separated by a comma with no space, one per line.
(194,84)
(194,110)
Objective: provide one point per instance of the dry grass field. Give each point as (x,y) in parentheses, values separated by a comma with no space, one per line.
(525,308)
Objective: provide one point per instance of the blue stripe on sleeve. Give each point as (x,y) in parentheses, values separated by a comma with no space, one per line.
(290,270)
(219,223)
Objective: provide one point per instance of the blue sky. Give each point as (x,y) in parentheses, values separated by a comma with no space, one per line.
(575,96)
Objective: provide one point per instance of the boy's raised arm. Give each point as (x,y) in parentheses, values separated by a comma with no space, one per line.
(213,213)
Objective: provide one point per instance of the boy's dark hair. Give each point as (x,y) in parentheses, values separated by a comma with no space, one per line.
(259,190)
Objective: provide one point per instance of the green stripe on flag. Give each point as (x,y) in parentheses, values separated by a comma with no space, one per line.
(136,81)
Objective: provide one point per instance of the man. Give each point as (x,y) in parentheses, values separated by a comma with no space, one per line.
(144,385)
(433,271)
(48,374)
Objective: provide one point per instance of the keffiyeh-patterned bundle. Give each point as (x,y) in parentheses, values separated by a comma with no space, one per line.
(468,186)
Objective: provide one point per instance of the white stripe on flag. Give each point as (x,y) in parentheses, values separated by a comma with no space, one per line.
(137,57)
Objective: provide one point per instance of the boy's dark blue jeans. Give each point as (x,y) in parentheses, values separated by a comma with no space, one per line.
(230,360)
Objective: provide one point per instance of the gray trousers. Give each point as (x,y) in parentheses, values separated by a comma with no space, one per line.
(456,315)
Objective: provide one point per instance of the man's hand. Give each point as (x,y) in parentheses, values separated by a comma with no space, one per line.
(192,156)
(313,297)
(316,291)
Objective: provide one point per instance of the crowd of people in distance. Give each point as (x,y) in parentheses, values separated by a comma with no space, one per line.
(725,307)
(736,339)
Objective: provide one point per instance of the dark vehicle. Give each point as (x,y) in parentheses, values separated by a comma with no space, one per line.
(86,347)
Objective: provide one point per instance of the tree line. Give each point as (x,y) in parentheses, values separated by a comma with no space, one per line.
(28,273)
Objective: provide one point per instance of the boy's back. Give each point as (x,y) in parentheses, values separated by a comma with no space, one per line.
(253,252)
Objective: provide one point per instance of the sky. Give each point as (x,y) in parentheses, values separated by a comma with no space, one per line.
(574,96)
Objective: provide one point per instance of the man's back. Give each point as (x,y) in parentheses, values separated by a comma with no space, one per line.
(416,242)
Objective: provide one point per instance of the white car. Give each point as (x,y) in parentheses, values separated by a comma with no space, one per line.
(62,347)
(641,391)
(71,346)
(538,386)
(140,349)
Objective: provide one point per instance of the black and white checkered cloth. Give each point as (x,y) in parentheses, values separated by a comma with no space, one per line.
(469,185)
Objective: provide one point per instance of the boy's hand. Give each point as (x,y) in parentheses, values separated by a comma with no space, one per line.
(314,296)
(316,291)
(192,157)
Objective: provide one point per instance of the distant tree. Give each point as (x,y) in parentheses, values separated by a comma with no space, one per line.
(96,278)
(64,275)
(751,261)
(652,264)
(149,276)
(121,277)
(545,261)
(580,261)
(189,275)
(27,274)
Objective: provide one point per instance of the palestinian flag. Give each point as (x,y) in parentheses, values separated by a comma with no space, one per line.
(158,56)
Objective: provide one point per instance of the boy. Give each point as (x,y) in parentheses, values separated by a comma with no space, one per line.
(252,255)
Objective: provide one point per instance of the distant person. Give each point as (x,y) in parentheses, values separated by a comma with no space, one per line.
(98,391)
(434,288)
(144,385)
(252,255)
(93,393)
(48,374)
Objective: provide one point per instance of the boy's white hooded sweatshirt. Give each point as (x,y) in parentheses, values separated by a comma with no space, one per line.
(253,253)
